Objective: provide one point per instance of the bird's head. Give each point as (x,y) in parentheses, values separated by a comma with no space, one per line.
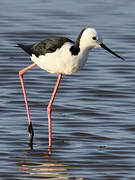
(90,38)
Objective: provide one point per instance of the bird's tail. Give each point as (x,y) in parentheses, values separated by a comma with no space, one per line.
(20,45)
(26,48)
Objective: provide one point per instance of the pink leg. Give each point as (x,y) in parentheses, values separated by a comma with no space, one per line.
(49,109)
(30,129)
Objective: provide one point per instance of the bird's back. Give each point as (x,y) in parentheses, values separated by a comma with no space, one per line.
(46,46)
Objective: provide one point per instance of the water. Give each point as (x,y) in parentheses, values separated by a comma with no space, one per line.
(93,114)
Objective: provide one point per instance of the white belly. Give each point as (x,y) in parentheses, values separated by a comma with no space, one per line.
(61,61)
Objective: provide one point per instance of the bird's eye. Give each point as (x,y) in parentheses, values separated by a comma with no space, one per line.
(94,38)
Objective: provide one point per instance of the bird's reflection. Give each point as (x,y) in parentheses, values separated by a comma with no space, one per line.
(43,165)
(39,164)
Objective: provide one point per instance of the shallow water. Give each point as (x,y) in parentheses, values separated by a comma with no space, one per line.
(93,114)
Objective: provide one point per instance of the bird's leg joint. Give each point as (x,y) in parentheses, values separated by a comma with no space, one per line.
(49,110)
(20,73)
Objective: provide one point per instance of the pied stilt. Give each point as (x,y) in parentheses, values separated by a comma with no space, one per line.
(60,55)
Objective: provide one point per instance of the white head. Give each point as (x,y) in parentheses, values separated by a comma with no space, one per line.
(89,38)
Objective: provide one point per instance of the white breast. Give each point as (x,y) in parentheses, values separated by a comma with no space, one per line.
(61,61)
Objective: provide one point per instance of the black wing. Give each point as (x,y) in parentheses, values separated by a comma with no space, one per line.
(46,46)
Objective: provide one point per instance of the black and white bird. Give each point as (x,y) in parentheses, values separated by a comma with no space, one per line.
(60,55)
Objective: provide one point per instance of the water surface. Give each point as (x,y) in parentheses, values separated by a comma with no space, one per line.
(93,114)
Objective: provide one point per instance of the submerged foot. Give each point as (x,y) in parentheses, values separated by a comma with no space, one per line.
(31,135)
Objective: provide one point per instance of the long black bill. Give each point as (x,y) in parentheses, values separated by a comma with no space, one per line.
(109,50)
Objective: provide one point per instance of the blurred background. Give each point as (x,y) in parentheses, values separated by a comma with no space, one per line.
(93,113)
